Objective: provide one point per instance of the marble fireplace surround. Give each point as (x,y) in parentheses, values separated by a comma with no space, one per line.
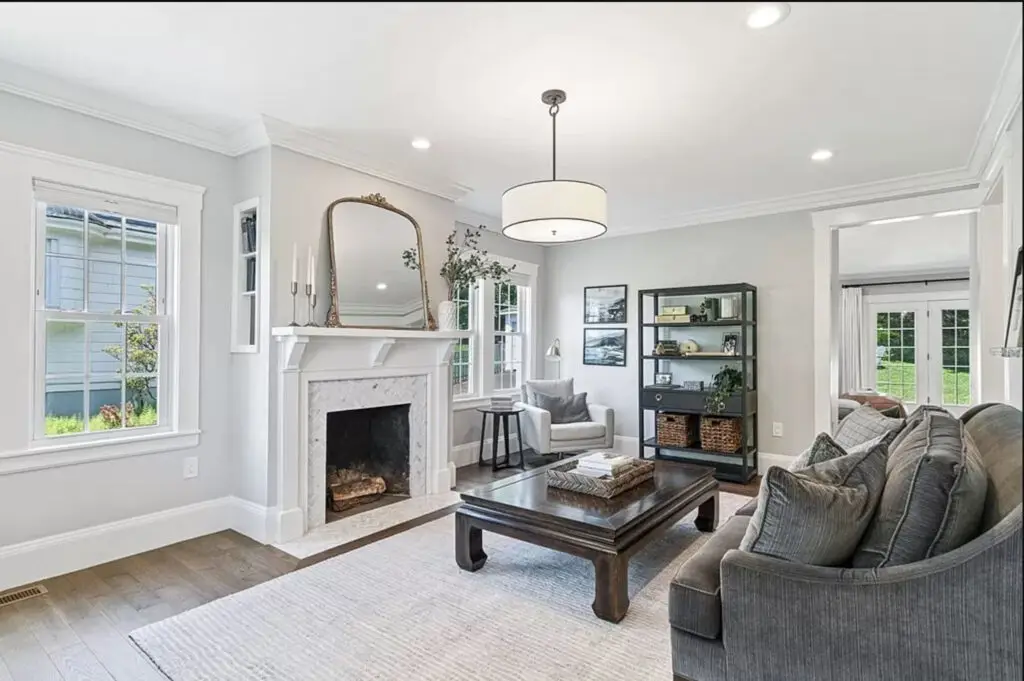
(322,370)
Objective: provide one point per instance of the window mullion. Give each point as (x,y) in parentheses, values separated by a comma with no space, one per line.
(85,262)
(86,370)
(486,325)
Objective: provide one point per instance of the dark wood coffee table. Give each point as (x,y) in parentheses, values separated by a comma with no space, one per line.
(605,531)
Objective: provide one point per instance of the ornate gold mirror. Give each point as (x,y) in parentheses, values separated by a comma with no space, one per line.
(370,284)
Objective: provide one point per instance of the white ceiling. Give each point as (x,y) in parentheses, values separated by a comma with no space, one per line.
(679,109)
(928,245)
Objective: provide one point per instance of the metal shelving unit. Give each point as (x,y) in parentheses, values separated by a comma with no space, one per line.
(739,466)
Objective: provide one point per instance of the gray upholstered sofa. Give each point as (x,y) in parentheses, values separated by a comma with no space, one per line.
(746,617)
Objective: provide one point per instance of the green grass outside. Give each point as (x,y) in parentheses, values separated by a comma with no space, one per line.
(67,425)
(900,380)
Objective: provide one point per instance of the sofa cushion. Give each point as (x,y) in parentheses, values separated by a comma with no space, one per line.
(694,602)
(564,409)
(823,448)
(577,431)
(933,499)
(912,421)
(747,509)
(559,388)
(864,424)
(817,515)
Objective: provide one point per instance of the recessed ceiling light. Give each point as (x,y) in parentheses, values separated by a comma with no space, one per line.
(821,155)
(420,143)
(889,221)
(381,286)
(767,14)
(950,213)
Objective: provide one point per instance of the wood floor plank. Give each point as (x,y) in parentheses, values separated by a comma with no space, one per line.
(77,663)
(5,673)
(25,658)
(49,628)
(117,655)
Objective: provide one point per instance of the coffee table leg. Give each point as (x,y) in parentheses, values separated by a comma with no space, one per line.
(469,544)
(707,515)
(611,587)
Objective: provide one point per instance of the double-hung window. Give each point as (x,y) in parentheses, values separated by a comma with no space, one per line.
(102,321)
(494,356)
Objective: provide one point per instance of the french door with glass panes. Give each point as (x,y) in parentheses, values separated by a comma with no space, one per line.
(920,352)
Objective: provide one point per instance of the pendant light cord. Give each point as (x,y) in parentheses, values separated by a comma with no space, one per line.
(553,111)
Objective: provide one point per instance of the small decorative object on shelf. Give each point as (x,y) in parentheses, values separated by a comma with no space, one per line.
(729,343)
(667,347)
(604,304)
(568,477)
(690,347)
(728,307)
(663,379)
(673,319)
(695,386)
(709,309)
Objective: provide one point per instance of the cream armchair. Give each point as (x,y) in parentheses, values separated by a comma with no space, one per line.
(544,437)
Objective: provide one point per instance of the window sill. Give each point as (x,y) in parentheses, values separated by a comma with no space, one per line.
(49,454)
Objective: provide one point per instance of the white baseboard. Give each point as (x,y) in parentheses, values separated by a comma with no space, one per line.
(59,554)
(466,453)
(253,520)
(627,444)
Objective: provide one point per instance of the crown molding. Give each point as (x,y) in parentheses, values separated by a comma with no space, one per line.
(472,218)
(1003,106)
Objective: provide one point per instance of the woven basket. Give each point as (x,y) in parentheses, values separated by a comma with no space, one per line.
(720,434)
(563,477)
(676,430)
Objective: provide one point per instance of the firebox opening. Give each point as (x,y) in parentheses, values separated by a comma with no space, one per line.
(367,459)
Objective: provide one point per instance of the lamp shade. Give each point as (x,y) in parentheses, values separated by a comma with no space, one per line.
(554,352)
(554,211)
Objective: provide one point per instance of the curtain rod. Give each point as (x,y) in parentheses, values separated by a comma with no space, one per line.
(910,281)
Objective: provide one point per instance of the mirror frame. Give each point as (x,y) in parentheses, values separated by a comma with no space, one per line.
(378,200)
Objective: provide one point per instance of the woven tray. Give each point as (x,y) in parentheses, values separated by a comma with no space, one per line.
(562,477)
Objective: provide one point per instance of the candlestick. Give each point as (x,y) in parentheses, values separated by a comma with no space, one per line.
(310,305)
(295,266)
(312,271)
(295,291)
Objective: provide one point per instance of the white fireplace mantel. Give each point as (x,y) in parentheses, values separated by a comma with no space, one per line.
(313,365)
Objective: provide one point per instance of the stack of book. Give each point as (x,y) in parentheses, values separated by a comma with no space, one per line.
(602,464)
(502,402)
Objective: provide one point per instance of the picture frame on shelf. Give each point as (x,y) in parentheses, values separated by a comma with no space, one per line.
(730,343)
(1015,318)
(605,304)
(604,347)
(663,379)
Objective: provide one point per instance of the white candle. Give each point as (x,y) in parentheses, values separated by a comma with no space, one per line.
(312,271)
(295,263)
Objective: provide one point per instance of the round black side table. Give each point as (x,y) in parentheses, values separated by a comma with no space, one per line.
(499,418)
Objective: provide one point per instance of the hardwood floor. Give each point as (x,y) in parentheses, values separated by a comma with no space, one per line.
(78,631)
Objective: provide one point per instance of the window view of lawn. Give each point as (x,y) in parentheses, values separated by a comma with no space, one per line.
(66,425)
(899,379)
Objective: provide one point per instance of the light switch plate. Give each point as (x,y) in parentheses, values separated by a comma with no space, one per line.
(191,466)
(777,429)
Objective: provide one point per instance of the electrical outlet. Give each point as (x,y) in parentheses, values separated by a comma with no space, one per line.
(191,466)
(777,429)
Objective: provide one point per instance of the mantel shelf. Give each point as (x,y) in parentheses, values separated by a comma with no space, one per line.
(352,332)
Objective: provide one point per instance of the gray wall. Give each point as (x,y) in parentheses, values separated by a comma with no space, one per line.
(117,489)
(773,253)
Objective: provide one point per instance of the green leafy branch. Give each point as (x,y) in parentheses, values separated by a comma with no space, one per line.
(465,263)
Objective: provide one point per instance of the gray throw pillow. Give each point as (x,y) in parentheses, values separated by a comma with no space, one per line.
(913,421)
(934,495)
(864,424)
(824,448)
(565,410)
(557,387)
(818,515)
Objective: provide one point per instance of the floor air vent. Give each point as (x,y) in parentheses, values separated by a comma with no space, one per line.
(12,597)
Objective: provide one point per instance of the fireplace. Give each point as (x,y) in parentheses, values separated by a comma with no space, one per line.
(367,462)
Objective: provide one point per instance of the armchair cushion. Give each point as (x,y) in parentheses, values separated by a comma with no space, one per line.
(748,508)
(564,410)
(934,496)
(559,388)
(587,430)
(695,604)
(817,515)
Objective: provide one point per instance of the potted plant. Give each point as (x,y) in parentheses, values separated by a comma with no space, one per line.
(464,264)
(727,381)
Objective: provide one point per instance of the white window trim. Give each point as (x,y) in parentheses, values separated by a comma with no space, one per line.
(473,301)
(483,336)
(237,276)
(182,307)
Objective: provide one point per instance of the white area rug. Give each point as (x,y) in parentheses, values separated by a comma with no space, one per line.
(401,609)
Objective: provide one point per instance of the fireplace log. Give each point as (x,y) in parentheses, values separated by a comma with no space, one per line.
(345,494)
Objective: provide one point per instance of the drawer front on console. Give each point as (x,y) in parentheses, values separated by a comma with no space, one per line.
(687,401)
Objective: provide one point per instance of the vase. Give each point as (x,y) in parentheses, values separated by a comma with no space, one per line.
(447,317)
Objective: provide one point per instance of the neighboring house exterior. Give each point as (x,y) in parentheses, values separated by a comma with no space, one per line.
(68,260)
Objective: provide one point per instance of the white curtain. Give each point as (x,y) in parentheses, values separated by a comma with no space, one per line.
(851,340)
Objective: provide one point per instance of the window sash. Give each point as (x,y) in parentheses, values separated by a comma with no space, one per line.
(46,312)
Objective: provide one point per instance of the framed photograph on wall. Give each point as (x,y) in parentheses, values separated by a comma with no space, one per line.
(604,304)
(1015,320)
(604,347)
